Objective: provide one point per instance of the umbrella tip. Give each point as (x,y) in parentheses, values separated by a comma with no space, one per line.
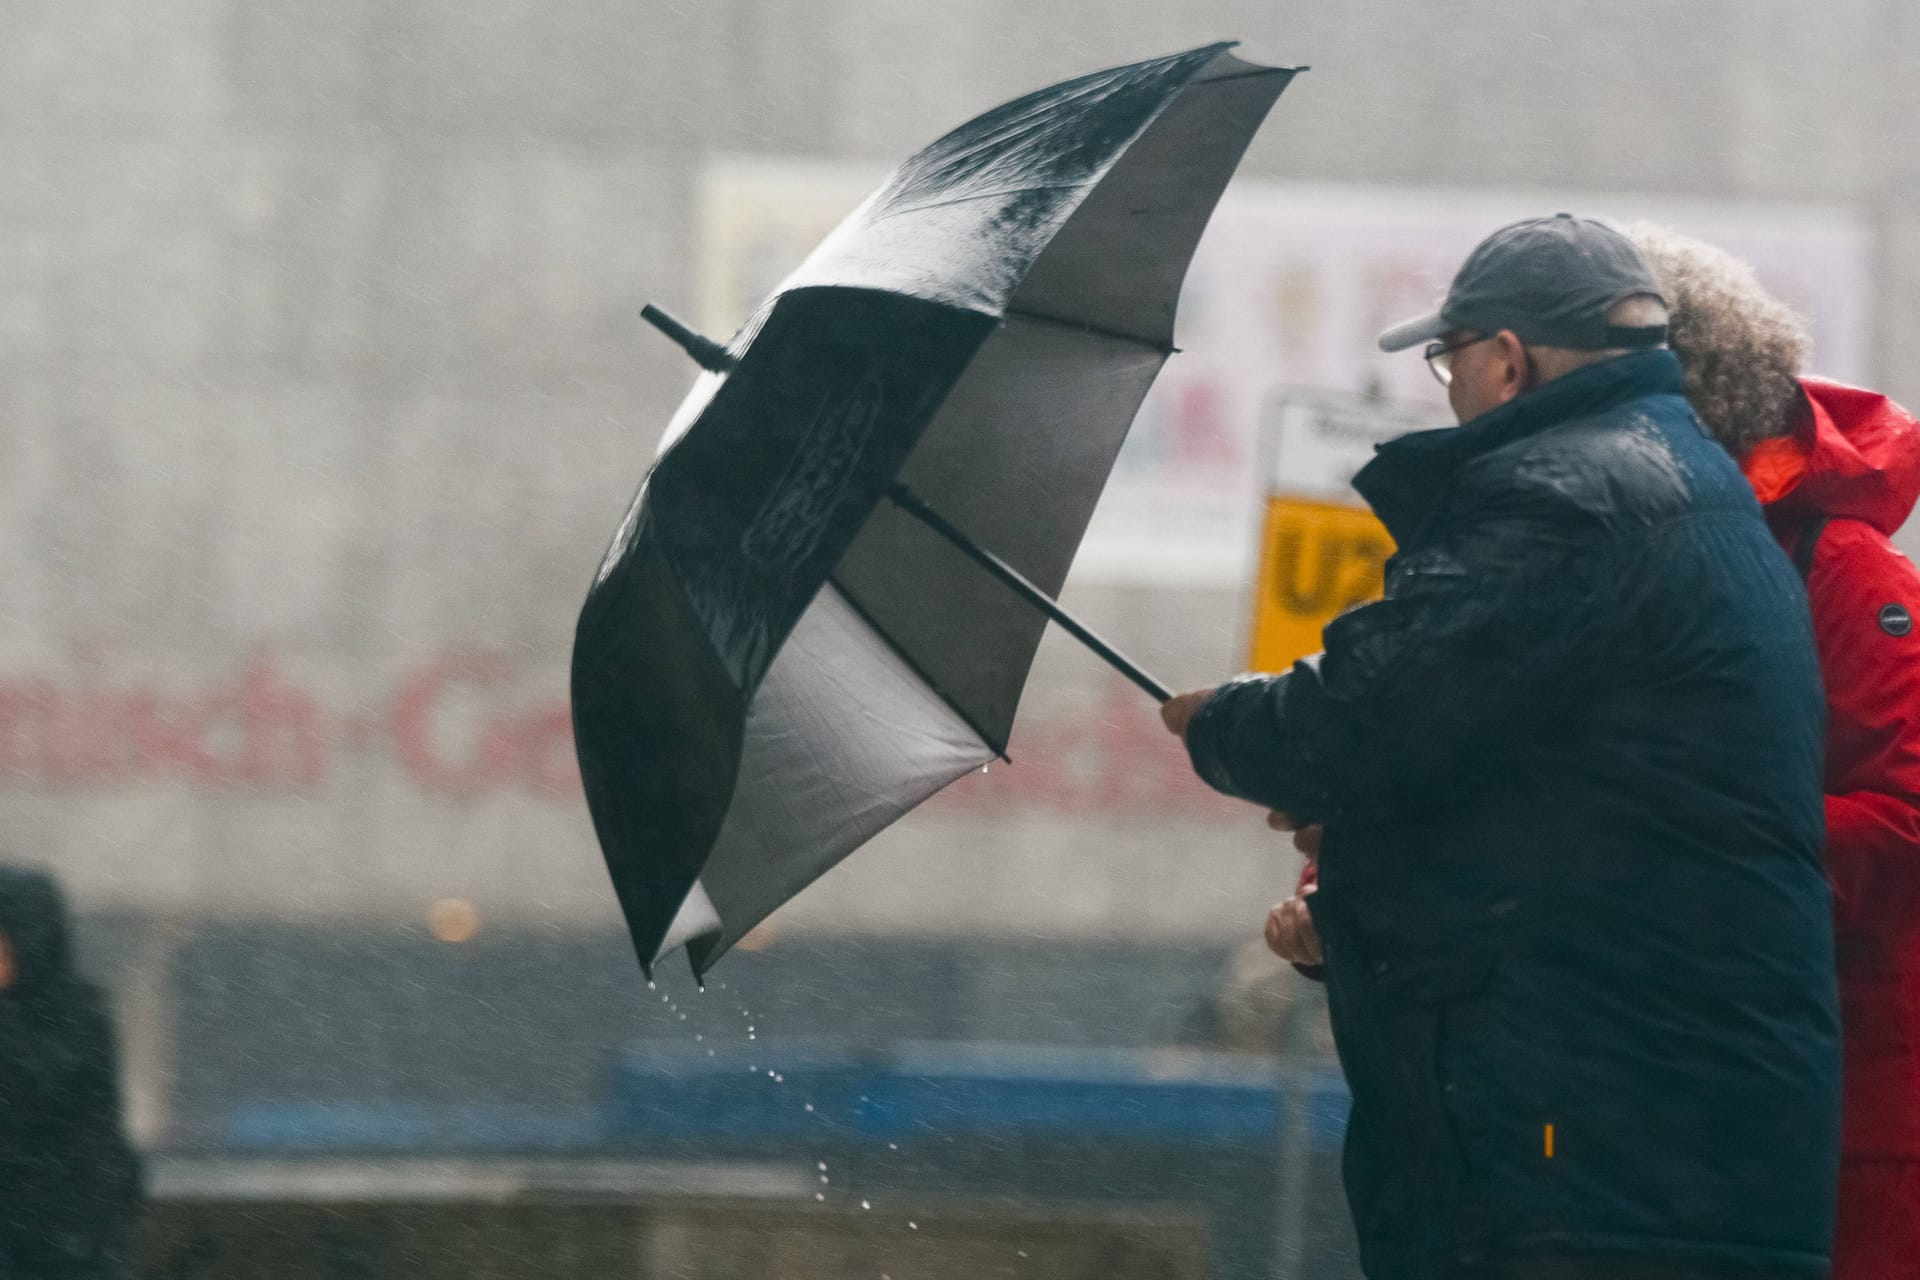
(706,353)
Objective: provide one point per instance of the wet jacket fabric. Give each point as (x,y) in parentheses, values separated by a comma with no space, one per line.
(1835,492)
(69,1182)
(1578,936)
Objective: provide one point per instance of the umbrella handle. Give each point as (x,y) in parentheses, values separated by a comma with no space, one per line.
(911,503)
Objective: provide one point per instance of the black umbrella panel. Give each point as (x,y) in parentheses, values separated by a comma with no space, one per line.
(775,660)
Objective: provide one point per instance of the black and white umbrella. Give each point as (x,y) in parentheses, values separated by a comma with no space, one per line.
(824,602)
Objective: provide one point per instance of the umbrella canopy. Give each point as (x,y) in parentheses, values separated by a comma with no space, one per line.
(774,662)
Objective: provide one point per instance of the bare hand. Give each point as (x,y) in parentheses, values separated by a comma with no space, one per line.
(1178,711)
(1290,931)
(1306,837)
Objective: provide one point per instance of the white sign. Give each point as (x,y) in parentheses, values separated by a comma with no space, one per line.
(1317,443)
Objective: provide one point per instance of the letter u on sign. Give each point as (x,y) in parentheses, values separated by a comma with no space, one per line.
(1317,560)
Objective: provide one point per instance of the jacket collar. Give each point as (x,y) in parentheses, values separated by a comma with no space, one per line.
(1409,475)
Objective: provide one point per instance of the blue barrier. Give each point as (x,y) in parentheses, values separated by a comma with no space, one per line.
(663,1092)
(1174,1097)
(373,1125)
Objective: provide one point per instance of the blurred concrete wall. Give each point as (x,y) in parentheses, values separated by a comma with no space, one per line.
(321,390)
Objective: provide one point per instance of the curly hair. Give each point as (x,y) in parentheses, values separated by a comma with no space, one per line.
(1742,348)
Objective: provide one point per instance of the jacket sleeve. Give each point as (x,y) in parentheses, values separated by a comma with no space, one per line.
(1873,694)
(1417,694)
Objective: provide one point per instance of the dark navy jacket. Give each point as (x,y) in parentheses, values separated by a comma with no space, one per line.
(1578,938)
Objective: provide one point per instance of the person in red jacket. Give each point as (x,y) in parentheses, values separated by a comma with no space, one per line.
(1837,470)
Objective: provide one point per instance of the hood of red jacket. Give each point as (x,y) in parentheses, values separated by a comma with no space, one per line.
(1857,454)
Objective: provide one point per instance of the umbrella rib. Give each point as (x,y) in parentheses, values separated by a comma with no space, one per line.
(1099,331)
(998,747)
(1288,72)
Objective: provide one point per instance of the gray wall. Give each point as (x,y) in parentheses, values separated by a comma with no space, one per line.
(318,362)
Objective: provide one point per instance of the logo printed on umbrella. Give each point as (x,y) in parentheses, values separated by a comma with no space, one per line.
(788,528)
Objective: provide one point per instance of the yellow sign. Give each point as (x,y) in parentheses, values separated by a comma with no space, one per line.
(1317,560)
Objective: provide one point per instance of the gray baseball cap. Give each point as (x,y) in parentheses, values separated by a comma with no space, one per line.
(1550,280)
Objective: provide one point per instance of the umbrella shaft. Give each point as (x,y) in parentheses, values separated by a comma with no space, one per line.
(911,503)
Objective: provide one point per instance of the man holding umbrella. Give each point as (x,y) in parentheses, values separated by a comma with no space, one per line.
(1570,898)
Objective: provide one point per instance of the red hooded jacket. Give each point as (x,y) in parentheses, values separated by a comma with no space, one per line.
(1856,463)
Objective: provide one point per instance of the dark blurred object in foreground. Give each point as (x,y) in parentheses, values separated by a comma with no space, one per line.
(69,1182)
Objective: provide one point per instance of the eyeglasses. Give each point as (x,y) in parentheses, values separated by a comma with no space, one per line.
(1439,356)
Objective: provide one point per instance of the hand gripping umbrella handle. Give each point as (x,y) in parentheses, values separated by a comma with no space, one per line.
(911,503)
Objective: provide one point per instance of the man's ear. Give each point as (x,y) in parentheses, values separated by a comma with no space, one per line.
(1514,368)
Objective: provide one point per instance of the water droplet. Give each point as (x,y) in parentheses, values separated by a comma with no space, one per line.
(650,986)
(824,1180)
(819,1195)
(698,1036)
(809,1106)
(771,1076)
(753,1037)
(822,1166)
(866,1204)
(779,1079)
(913,1226)
(683,1017)
(709,1053)
(1021,1252)
(893,1146)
